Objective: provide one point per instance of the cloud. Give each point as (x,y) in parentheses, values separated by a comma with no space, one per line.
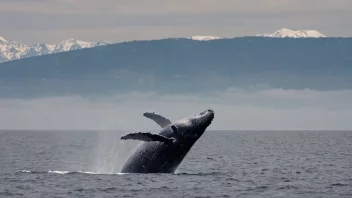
(235,110)
(35,20)
(159,7)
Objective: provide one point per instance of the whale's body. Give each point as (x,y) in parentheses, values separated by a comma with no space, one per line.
(164,152)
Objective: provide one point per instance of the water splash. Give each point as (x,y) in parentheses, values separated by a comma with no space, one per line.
(64,172)
(111,152)
(58,172)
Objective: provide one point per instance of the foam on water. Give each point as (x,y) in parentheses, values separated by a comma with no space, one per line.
(24,171)
(67,172)
(59,172)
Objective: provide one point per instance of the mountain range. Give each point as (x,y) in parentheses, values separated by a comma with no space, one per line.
(285,32)
(183,65)
(12,50)
(282,33)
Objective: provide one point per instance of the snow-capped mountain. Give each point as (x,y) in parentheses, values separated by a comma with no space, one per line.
(284,32)
(12,50)
(204,38)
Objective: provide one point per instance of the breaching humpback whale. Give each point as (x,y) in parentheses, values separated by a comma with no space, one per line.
(163,152)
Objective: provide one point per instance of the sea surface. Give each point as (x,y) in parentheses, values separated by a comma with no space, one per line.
(221,164)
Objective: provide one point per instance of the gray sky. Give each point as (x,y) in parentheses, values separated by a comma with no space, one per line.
(51,21)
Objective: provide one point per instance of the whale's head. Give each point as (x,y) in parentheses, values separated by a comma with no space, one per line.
(191,128)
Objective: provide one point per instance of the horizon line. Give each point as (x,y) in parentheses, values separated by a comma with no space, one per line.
(219,130)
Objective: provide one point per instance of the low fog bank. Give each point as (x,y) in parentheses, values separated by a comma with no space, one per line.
(235,109)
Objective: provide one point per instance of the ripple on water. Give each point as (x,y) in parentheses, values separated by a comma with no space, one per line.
(221,164)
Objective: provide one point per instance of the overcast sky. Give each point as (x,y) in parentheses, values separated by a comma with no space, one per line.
(51,21)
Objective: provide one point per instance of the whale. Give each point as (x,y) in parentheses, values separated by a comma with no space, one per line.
(163,152)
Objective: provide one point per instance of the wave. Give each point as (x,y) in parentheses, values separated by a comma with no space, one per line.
(199,174)
(96,173)
(66,172)
(59,172)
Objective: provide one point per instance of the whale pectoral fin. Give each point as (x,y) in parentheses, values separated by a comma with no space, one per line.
(159,119)
(147,137)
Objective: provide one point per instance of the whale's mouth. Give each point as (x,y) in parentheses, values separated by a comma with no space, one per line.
(209,114)
(207,111)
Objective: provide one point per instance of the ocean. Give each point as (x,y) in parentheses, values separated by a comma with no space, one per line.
(220,164)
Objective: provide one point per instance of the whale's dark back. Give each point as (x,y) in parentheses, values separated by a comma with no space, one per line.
(156,157)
